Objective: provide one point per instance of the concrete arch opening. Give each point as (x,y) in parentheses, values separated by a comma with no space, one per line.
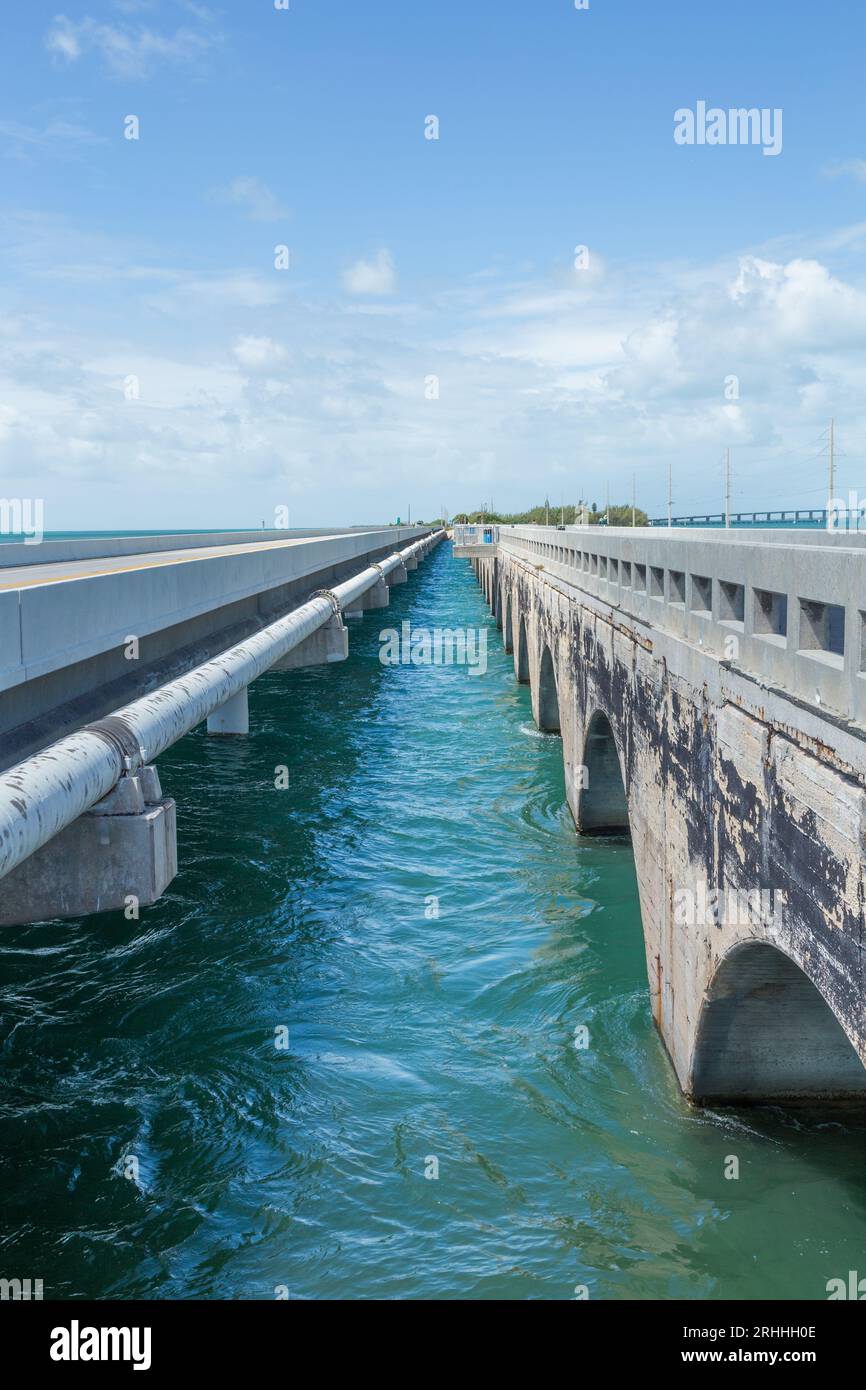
(603,807)
(498,607)
(522,665)
(508,624)
(766,1034)
(548,698)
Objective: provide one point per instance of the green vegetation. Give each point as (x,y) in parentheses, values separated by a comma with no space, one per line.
(547,514)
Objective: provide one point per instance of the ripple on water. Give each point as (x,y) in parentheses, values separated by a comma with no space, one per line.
(417,920)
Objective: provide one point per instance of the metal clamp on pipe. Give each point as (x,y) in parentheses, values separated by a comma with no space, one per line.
(332,599)
(118,735)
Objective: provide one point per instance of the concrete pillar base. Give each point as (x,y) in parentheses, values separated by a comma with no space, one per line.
(412,562)
(397,576)
(108,860)
(233,717)
(327,644)
(377,597)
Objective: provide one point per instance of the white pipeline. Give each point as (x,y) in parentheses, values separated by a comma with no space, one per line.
(42,795)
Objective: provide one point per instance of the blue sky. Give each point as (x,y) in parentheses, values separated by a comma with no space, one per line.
(152,261)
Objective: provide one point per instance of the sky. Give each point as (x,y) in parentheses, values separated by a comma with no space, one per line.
(283,294)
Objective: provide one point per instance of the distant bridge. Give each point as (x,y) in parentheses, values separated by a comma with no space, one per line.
(710,692)
(806,518)
(112,650)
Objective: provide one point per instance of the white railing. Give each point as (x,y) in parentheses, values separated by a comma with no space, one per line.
(788,607)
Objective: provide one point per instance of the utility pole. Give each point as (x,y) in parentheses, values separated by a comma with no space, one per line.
(728,488)
(832,492)
(670,496)
(633,509)
(547,511)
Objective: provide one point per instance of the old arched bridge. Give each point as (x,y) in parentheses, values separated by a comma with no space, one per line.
(710,691)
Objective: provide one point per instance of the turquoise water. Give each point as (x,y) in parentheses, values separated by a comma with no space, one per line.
(410,1037)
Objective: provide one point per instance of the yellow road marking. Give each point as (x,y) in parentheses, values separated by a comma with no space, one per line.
(158,561)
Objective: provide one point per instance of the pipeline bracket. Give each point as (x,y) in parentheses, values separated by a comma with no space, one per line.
(332,599)
(114,731)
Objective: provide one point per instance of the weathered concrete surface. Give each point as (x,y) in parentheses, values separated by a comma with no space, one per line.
(725,785)
(103,862)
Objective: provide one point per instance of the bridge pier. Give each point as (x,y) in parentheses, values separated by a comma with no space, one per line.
(119,856)
(233,717)
(377,597)
(329,644)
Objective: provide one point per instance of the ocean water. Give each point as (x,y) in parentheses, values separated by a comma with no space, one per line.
(415,918)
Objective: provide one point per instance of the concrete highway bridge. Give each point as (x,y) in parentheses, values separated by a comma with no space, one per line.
(113,649)
(709,688)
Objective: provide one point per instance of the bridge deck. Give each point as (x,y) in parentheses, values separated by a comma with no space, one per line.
(55,572)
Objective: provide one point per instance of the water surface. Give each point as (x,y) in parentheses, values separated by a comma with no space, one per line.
(411,1037)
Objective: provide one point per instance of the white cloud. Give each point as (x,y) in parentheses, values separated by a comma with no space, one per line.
(257,353)
(852,168)
(127,52)
(372,277)
(210,296)
(62,40)
(265,391)
(59,137)
(253,196)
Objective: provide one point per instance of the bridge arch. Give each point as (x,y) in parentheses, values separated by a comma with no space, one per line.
(521,653)
(603,804)
(766,1033)
(548,696)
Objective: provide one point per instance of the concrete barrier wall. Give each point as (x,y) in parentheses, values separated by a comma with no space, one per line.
(11,668)
(49,552)
(684,584)
(69,621)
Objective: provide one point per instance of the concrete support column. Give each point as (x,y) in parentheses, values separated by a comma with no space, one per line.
(233,717)
(377,597)
(396,576)
(330,643)
(120,856)
(411,562)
